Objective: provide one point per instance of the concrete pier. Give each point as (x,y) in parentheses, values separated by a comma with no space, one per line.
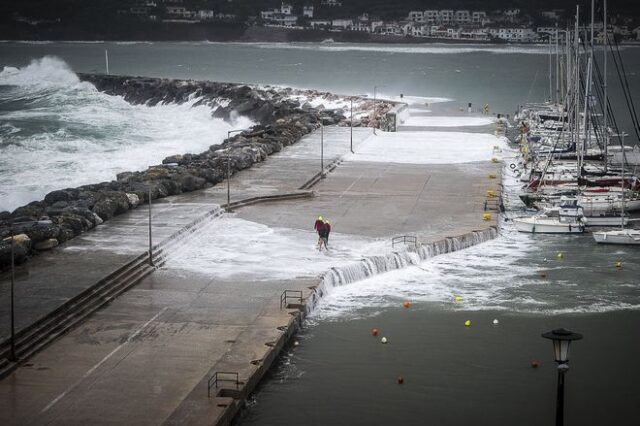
(147,358)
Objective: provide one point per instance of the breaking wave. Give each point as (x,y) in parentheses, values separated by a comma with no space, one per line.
(57,132)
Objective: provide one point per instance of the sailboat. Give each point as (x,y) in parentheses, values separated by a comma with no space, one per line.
(622,235)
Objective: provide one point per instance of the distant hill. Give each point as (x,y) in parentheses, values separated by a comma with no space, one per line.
(112,19)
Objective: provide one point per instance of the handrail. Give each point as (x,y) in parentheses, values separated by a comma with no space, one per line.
(412,239)
(285,295)
(213,380)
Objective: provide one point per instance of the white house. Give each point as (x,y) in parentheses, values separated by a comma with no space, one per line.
(284,20)
(331,3)
(474,33)
(462,17)
(225,16)
(307,12)
(205,14)
(286,9)
(416,16)
(361,26)
(511,14)
(478,17)
(320,23)
(178,12)
(375,25)
(515,35)
(342,24)
(430,16)
(269,14)
(445,16)
(438,31)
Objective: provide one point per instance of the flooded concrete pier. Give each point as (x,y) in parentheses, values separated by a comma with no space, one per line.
(149,356)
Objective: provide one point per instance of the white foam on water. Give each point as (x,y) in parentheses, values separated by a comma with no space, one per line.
(232,247)
(414,49)
(435,121)
(70,134)
(427,147)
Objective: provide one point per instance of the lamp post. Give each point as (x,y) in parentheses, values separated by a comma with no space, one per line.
(321,148)
(375,90)
(150,236)
(561,341)
(12,353)
(351,128)
(229,133)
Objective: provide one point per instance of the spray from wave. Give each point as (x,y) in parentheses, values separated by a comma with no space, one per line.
(58,132)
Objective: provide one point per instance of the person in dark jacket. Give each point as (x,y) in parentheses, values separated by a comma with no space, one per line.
(328,229)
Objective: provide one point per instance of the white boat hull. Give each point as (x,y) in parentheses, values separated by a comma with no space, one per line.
(534,225)
(626,236)
(605,220)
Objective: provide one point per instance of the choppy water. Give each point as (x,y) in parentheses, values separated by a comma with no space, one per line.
(57,132)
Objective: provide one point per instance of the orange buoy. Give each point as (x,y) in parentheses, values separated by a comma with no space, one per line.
(400,380)
(374,332)
(535,363)
(406,304)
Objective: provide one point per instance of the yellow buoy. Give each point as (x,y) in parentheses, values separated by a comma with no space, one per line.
(492,176)
(618,264)
(486,216)
(491,193)
(457,298)
(494,160)
(467,323)
(560,255)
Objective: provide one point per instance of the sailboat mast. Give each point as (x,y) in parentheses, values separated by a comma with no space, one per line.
(550,71)
(576,91)
(557,67)
(605,89)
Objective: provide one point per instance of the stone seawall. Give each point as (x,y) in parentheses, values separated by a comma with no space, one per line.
(66,213)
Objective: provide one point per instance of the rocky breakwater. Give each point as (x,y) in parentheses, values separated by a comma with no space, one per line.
(64,214)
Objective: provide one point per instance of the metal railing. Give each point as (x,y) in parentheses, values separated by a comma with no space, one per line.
(218,377)
(404,239)
(290,294)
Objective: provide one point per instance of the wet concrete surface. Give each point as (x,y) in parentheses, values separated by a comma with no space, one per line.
(136,361)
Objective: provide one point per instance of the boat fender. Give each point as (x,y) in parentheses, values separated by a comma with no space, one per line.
(513,166)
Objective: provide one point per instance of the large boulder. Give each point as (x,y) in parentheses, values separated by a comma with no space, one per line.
(134,200)
(56,208)
(190,183)
(41,231)
(46,244)
(32,211)
(111,203)
(21,249)
(68,194)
